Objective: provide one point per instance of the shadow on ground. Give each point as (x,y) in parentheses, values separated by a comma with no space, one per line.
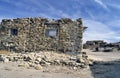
(109,69)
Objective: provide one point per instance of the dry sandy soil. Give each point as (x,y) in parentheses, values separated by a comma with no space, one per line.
(105,66)
(11,70)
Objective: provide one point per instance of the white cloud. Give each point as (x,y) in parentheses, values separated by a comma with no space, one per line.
(102,4)
(51,11)
(114,23)
(0,19)
(8,1)
(55,11)
(90,14)
(114,4)
(99,31)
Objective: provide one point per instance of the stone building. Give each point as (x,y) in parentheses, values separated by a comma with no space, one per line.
(41,34)
(93,44)
(101,46)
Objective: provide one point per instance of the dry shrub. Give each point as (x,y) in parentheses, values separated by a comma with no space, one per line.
(4,52)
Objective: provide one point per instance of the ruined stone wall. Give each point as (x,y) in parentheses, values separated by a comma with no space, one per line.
(38,34)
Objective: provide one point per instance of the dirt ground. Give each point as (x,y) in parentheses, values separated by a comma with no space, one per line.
(103,56)
(11,70)
(105,66)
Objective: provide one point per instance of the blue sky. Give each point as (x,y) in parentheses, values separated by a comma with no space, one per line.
(102,17)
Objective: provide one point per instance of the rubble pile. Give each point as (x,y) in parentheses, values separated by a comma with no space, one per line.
(43,59)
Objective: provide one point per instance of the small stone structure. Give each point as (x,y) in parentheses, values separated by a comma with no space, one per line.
(41,34)
(93,44)
(100,45)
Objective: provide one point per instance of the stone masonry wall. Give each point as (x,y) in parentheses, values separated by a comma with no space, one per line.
(41,34)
